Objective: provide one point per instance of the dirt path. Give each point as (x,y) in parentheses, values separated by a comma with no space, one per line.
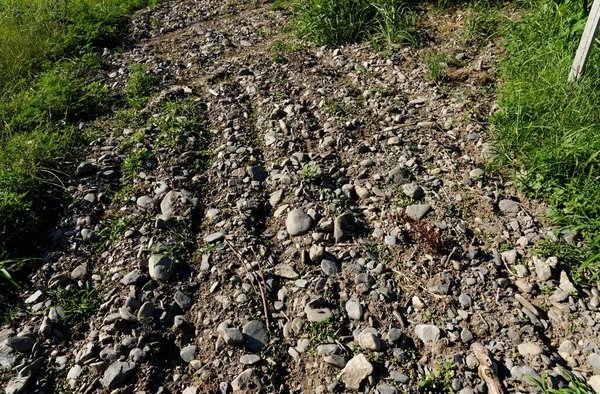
(340,190)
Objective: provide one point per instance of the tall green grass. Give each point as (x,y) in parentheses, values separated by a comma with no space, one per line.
(550,129)
(334,22)
(48,85)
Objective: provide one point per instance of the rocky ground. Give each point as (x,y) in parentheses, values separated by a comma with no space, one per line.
(282,217)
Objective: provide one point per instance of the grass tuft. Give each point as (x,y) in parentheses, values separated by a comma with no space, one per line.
(548,128)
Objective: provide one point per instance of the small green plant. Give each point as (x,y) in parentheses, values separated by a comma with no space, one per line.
(576,385)
(78,304)
(140,85)
(437,63)
(439,381)
(280,50)
(396,23)
(311,174)
(136,162)
(318,332)
(112,228)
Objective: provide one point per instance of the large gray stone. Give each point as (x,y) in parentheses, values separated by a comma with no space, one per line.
(256,335)
(160,267)
(298,222)
(246,383)
(509,207)
(21,344)
(427,333)
(355,371)
(343,227)
(117,374)
(417,211)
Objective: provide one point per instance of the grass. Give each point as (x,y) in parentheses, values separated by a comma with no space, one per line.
(140,85)
(548,129)
(440,381)
(49,89)
(576,385)
(78,304)
(335,22)
(311,174)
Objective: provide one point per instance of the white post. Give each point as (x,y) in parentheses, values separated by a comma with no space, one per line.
(587,40)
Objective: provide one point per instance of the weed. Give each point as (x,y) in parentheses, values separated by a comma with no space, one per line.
(440,381)
(112,228)
(78,304)
(570,256)
(311,175)
(437,64)
(135,162)
(576,385)
(318,332)
(333,22)
(139,86)
(280,50)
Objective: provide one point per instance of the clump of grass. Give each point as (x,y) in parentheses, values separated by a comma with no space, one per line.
(135,162)
(334,22)
(439,381)
(140,85)
(311,175)
(576,385)
(78,304)
(548,128)
(437,63)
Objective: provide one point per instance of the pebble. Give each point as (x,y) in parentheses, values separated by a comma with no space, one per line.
(117,374)
(160,267)
(354,309)
(246,382)
(418,211)
(429,334)
(355,371)
(529,349)
(509,207)
(256,335)
(298,222)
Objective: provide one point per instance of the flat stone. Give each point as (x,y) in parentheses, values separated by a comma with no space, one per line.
(344,226)
(298,222)
(335,360)
(285,271)
(317,311)
(80,271)
(529,349)
(566,284)
(146,202)
(85,169)
(509,207)
(429,334)
(355,371)
(188,353)
(354,309)
(160,267)
(146,310)
(329,267)
(134,277)
(8,357)
(417,211)
(214,237)
(328,349)
(256,335)
(247,382)
(117,374)
(250,359)
(21,344)
(257,173)
(385,389)
(17,385)
(369,341)
(594,383)
(413,191)
(593,361)
(35,297)
(184,301)
(232,336)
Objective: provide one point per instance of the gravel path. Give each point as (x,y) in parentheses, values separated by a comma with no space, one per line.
(300,219)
